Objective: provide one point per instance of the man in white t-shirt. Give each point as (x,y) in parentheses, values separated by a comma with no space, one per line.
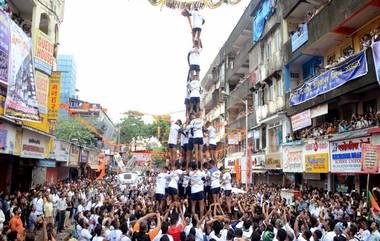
(160,188)
(214,175)
(211,140)
(197,22)
(194,58)
(226,181)
(172,141)
(195,94)
(197,131)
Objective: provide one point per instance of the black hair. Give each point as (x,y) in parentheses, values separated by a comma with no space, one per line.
(319,234)
(217,227)
(98,230)
(164,238)
(238,233)
(164,227)
(255,236)
(182,236)
(307,234)
(281,235)
(194,166)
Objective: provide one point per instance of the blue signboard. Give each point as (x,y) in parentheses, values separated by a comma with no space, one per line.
(300,37)
(46,163)
(330,80)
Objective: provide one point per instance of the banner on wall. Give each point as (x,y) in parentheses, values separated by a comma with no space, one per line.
(43,52)
(319,110)
(21,102)
(93,160)
(346,155)
(292,158)
(376,58)
(42,88)
(5,40)
(301,120)
(84,107)
(330,80)
(316,156)
(370,158)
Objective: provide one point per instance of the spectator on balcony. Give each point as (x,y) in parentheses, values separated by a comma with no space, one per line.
(365,41)
(289,138)
(361,123)
(376,34)
(331,129)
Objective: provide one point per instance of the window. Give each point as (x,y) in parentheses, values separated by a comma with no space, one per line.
(256,98)
(271,92)
(267,50)
(264,137)
(279,88)
(44,23)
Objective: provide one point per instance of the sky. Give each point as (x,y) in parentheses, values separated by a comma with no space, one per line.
(131,55)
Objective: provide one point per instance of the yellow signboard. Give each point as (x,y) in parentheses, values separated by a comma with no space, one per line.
(317,163)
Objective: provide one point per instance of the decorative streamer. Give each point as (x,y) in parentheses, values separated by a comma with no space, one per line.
(191,4)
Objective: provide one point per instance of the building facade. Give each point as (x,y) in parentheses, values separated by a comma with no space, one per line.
(308,72)
(67,66)
(27,140)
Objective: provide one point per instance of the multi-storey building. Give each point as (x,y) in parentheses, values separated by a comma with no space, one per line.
(30,26)
(308,73)
(331,89)
(67,66)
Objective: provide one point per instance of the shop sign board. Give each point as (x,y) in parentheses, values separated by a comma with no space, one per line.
(273,161)
(316,156)
(34,145)
(292,158)
(62,151)
(346,155)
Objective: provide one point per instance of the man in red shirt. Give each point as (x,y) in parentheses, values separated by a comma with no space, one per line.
(175,228)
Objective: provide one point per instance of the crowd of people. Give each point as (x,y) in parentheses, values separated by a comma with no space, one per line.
(179,205)
(357,122)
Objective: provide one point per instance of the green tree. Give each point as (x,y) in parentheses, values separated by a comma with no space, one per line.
(68,129)
(160,129)
(132,126)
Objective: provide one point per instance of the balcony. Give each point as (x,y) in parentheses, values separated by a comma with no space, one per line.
(211,100)
(240,123)
(241,91)
(351,86)
(334,22)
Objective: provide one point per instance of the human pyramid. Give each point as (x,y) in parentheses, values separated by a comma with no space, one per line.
(197,140)
(193,175)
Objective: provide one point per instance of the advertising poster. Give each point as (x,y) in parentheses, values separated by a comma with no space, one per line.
(316,156)
(292,158)
(54,95)
(21,102)
(5,39)
(43,52)
(84,156)
(42,87)
(74,156)
(370,158)
(346,155)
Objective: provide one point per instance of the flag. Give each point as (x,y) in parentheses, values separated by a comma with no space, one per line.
(249,167)
(237,171)
(372,202)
